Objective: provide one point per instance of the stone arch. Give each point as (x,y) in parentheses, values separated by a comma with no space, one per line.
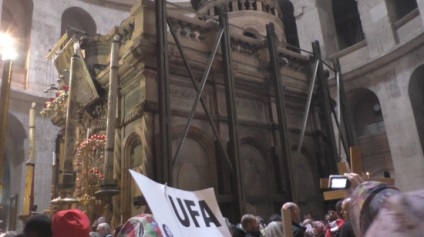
(256,171)
(133,159)
(195,167)
(368,121)
(367,115)
(78,18)
(15,159)
(306,181)
(16,19)
(348,23)
(416,96)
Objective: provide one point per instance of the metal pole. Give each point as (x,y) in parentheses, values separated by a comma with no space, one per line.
(198,95)
(30,166)
(70,127)
(231,109)
(281,113)
(344,108)
(163,93)
(338,125)
(202,102)
(339,135)
(308,107)
(111,111)
(4,114)
(331,147)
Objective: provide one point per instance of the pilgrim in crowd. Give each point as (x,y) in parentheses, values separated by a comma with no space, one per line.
(371,209)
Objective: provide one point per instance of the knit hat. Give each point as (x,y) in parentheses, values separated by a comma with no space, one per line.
(71,223)
(367,200)
(143,225)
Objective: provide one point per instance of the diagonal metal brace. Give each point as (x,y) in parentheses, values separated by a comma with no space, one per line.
(307,108)
(199,90)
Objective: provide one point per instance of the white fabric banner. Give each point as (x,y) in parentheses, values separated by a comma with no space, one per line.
(182,213)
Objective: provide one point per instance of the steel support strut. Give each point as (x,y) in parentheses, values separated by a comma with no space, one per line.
(344,109)
(307,108)
(324,97)
(285,157)
(199,90)
(165,175)
(231,110)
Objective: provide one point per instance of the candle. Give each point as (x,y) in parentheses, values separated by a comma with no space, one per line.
(32,133)
(54,159)
(88,133)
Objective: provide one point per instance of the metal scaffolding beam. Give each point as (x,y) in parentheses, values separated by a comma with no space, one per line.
(285,156)
(231,110)
(165,175)
(325,103)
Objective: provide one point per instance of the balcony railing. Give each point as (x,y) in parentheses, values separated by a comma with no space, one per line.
(350,32)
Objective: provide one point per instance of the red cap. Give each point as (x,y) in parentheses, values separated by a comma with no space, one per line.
(71,223)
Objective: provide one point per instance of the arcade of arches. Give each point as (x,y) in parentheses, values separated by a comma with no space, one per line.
(200,163)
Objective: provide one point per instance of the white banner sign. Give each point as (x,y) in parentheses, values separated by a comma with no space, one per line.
(181,213)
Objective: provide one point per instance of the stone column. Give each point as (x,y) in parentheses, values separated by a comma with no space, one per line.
(377,26)
(421,9)
(315,21)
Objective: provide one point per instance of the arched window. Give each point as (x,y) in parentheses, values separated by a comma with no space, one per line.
(193,169)
(371,134)
(416,95)
(399,9)
(367,116)
(289,22)
(256,171)
(348,23)
(78,19)
(16,19)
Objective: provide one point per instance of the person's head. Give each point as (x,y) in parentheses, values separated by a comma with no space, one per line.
(38,226)
(141,226)
(250,223)
(332,215)
(294,211)
(327,218)
(345,208)
(70,223)
(98,221)
(306,222)
(319,228)
(366,201)
(103,229)
(308,216)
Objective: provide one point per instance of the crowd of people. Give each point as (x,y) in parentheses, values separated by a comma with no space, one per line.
(75,223)
(373,209)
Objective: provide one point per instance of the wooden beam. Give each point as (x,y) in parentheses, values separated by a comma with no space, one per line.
(356,160)
(335,195)
(57,46)
(343,167)
(323,183)
(287,222)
